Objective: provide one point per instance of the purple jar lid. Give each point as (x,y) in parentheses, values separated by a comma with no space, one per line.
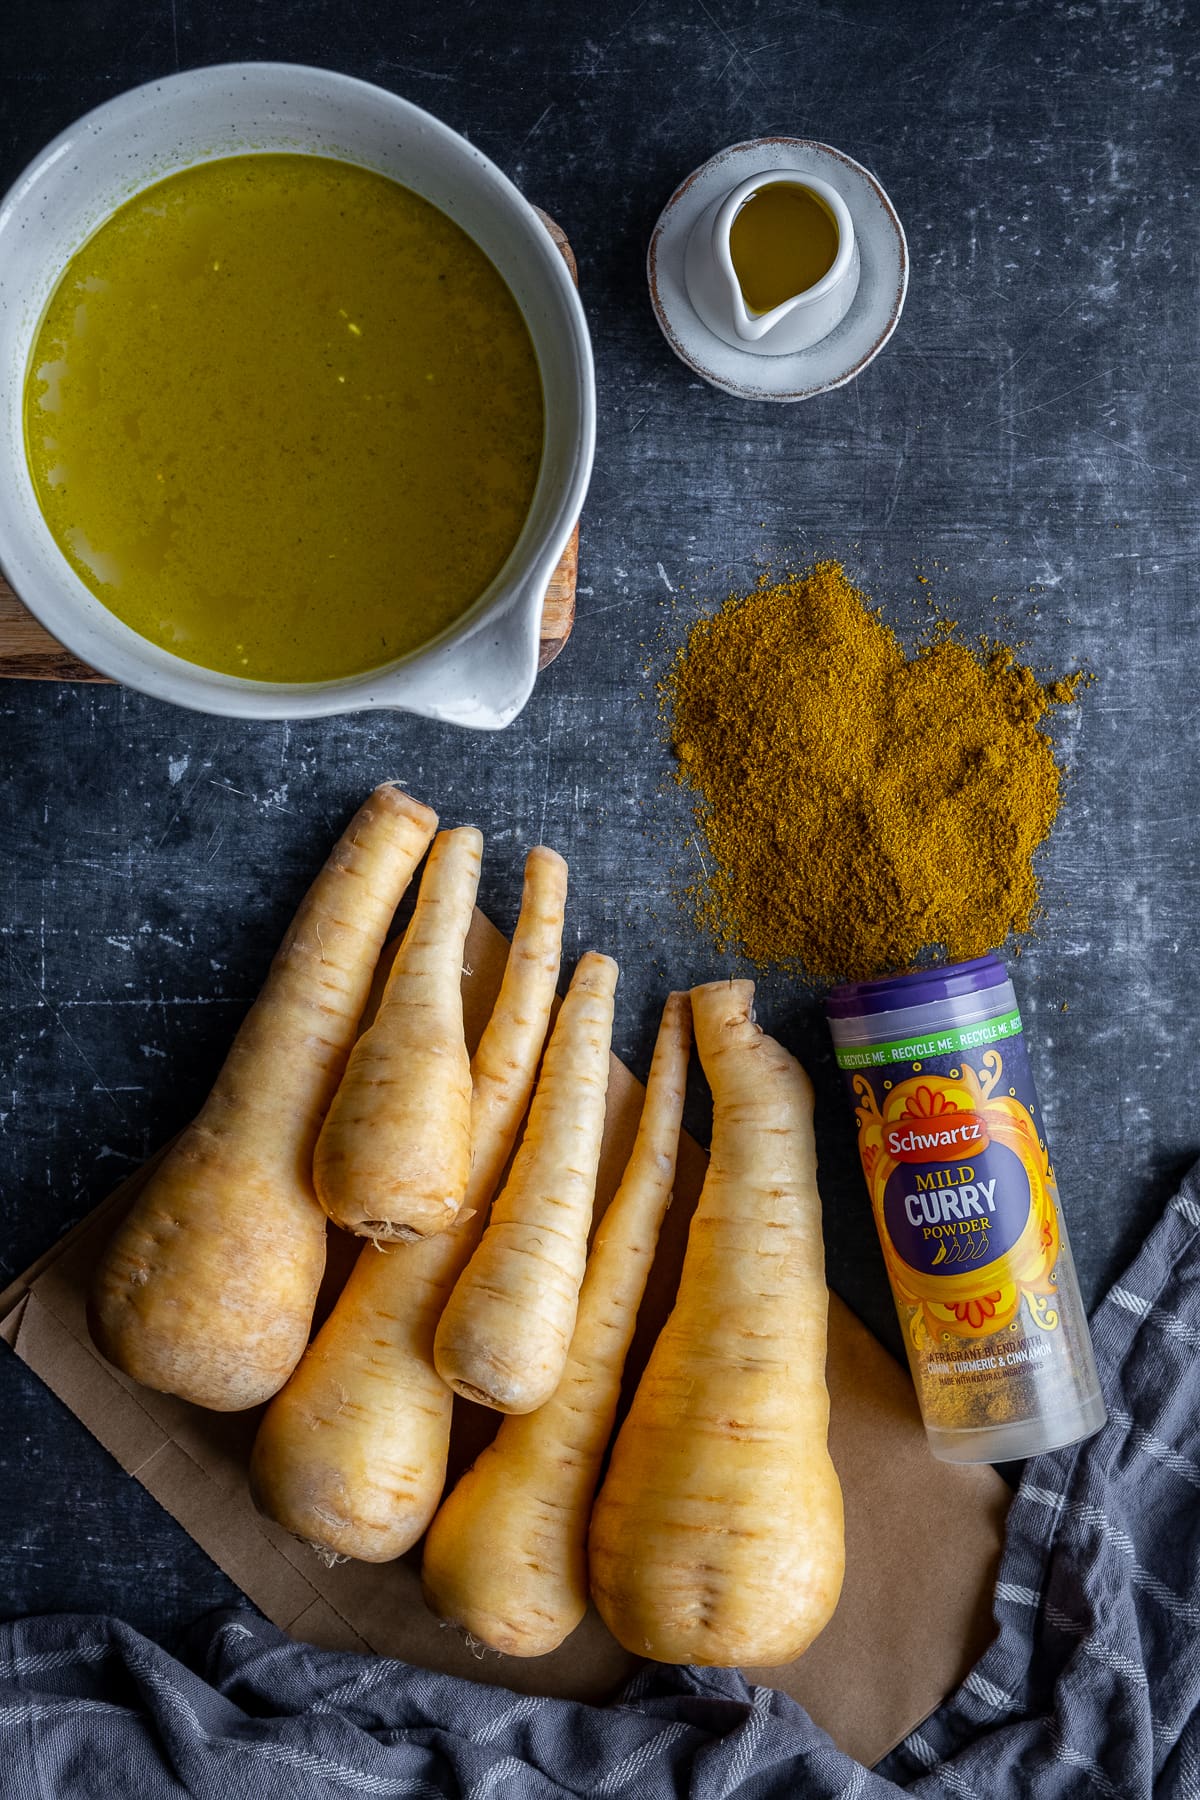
(920,988)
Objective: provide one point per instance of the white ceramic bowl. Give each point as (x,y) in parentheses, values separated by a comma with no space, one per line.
(481,670)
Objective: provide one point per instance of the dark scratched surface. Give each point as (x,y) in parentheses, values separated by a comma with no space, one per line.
(1027,442)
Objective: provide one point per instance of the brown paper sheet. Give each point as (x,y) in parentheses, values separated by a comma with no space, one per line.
(912,1618)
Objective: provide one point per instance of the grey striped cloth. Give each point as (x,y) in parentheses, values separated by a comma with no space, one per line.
(1092,1685)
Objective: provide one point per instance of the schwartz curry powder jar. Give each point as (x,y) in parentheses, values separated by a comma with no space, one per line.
(961,1185)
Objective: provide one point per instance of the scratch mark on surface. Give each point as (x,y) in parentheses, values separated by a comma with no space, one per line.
(1025,411)
(45,1000)
(598,612)
(897,484)
(1029,349)
(535,127)
(160,1000)
(737,52)
(178,811)
(546,781)
(1128,450)
(623,27)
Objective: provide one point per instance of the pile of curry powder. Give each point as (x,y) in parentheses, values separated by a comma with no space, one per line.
(860,806)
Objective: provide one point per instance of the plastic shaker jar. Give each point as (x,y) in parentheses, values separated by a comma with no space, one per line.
(961,1185)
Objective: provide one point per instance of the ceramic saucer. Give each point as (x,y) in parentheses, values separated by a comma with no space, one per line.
(871,320)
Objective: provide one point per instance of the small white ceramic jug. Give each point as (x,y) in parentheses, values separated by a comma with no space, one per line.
(796,323)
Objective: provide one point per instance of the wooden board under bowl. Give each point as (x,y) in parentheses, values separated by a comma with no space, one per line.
(28,652)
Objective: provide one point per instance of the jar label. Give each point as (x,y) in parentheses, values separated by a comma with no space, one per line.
(942,1219)
(933,1043)
(959,1178)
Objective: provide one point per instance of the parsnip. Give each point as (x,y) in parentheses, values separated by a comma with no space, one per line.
(394,1155)
(717,1535)
(207,1288)
(351,1456)
(506,1555)
(504,1336)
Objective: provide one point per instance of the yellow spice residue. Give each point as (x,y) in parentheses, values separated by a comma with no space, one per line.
(859,806)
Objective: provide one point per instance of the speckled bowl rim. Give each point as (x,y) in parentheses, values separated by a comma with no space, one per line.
(666,221)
